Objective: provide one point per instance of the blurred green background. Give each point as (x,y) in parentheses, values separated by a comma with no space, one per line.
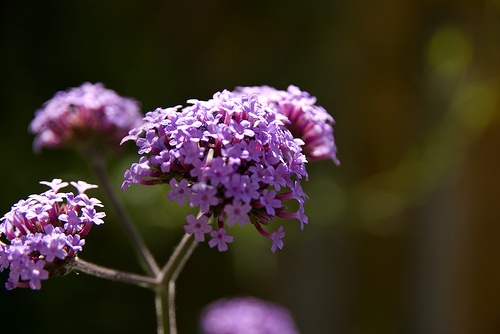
(404,236)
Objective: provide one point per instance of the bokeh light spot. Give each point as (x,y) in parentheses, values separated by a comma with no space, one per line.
(449,51)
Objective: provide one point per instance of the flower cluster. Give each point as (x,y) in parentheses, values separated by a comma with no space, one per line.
(40,235)
(246,315)
(312,123)
(233,157)
(84,114)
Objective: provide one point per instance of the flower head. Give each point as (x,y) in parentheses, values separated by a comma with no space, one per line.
(231,156)
(40,235)
(246,315)
(86,113)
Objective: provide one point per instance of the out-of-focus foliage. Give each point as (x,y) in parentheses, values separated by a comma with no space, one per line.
(403,236)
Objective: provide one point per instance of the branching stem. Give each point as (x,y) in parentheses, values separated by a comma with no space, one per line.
(163,284)
(146,258)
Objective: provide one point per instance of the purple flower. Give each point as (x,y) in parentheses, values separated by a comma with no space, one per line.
(204,196)
(269,201)
(305,119)
(44,233)
(91,215)
(55,184)
(53,244)
(72,219)
(148,143)
(198,227)
(218,171)
(234,156)
(82,186)
(276,238)
(34,273)
(84,113)
(237,211)
(246,315)
(180,190)
(220,239)
(75,242)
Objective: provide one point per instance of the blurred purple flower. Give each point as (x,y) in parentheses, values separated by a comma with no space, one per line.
(81,114)
(246,315)
(36,245)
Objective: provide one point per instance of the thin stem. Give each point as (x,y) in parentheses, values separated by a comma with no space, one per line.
(163,281)
(168,276)
(164,284)
(171,307)
(146,258)
(112,274)
(160,323)
(185,254)
(178,258)
(165,300)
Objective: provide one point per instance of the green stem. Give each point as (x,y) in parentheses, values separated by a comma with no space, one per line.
(178,258)
(170,298)
(112,274)
(146,258)
(160,322)
(163,281)
(171,272)
(163,284)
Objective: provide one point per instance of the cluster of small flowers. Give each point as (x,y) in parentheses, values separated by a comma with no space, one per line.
(247,315)
(306,120)
(40,235)
(232,156)
(86,113)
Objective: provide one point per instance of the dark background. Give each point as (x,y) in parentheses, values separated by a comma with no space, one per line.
(404,236)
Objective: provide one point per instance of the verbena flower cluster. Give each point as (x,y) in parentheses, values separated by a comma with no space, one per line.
(246,315)
(234,158)
(84,114)
(40,235)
